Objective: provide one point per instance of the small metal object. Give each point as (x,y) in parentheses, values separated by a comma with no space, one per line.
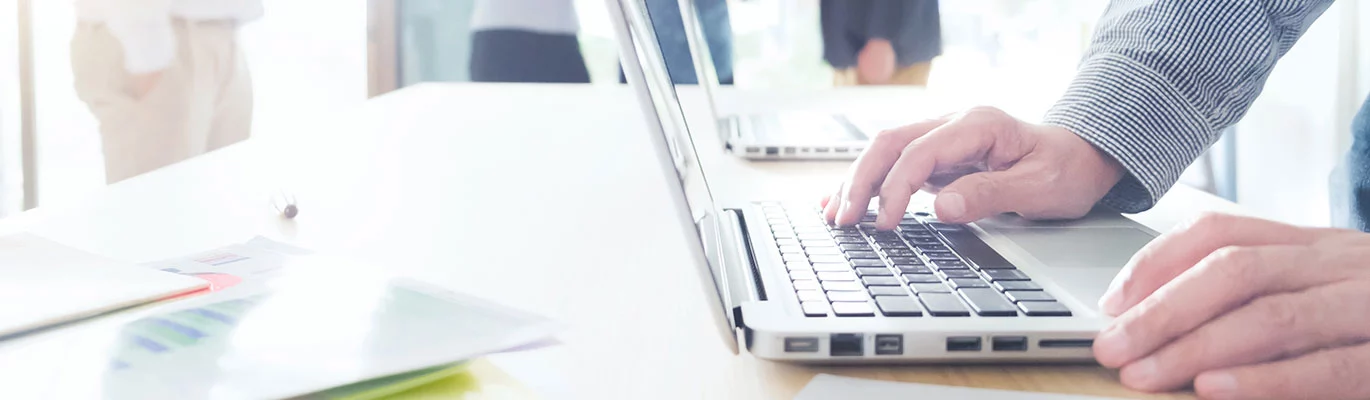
(285,204)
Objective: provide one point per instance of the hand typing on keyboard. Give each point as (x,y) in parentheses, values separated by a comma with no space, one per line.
(984,162)
(1244,308)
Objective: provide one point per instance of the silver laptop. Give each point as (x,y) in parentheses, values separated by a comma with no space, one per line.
(788,135)
(1002,289)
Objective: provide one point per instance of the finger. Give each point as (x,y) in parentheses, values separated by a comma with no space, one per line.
(976,196)
(1290,324)
(968,138)
(1336,373)
(1173,253)
(1220,282)
(869,170)
(830,205)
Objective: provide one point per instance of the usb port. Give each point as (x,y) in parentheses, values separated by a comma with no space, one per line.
(790,150)
(963,343)
(801,345)
(846,344)
(889,344)
(1065,343)
(821,150)
(753,150)
(772,150)
(1008,343)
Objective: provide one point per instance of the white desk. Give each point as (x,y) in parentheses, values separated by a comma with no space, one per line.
(539,197)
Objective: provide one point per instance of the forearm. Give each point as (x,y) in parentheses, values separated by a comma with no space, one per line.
(1163,78)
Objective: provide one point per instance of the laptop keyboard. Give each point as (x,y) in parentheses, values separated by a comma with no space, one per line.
(923,268)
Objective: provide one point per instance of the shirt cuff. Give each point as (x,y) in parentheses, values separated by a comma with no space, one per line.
(149,45)
(1135,115)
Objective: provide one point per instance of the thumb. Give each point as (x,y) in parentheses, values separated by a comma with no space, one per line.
(976,196)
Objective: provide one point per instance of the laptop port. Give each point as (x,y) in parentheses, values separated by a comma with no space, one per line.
(889,345)
(841,150)
(1008,343)
(753,150)
(846,344)
(963,343)
(820,150)
(772,150)
(801,345)
(1065,343)
(789,150)
(805,150)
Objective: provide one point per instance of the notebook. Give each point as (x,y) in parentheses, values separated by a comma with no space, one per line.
(43,283)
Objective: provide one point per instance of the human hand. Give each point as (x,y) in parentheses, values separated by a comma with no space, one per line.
(984,162)
(875,63)
(142,84)
(1244,308)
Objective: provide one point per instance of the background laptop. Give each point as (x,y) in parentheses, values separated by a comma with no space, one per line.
(795,135)
(1002,289)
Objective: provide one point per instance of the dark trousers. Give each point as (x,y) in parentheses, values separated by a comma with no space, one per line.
(506,55)
(1351,186)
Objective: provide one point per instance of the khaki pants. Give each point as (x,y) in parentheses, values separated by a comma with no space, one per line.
(916,74)
(202,102)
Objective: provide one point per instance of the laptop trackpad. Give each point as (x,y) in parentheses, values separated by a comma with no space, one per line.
(1081,259)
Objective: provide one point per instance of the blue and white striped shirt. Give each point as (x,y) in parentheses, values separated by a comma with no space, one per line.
(1163,78)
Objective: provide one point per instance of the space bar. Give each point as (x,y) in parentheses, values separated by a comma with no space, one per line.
(975,250)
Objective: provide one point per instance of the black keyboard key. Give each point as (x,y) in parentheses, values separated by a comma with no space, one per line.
(1016,285)
(842,235)
(932,247)
(988,302)
(815,308)
(866,262)
(943,305)
(917,240)
(899,253)
(869,218)
(873,271)
(851,309)
(885,236)
(922,279)
(963,283)
(905,261)
(887,291)
(899,306)
(921,288)
(940,255)
(1044,309)
(958,273)
(848,296)
(1024,295)
(975,250)
(913,269)
(848,239)
(998,275)
(949,264)
(842,286)
(869,255)
(891,245)
(881,281)
(855,247)
(911,227)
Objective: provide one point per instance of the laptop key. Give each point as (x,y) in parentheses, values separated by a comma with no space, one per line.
(921,288)
(988,302)
(867,262)
(849,239)
(958,273)
(1044,309)
(1025,295)
(815,308)
(842,286)
(899,253)
(802,275)
(975,250)
(899,306)
(873,271)
(787,242)
(932,247)
(817,243)
(917,240)
(906,261)
(799,266)
(962,283)
(792,257)
(949,264)
(998,275)
(881,281)
(792,249)
(855,247)
(806,285)
(823,251)
(811,295)
(831,267)
(943,305)
(922,278)
(869,255)
(848,296)
(913,269)
(836,276)
(827,258)
(886,291)
(852,309)
(1016,285)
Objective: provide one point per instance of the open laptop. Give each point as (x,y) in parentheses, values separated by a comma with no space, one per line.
(1003,289)
(788,135)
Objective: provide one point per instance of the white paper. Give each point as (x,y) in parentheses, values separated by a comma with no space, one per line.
(828,387)
(290,324)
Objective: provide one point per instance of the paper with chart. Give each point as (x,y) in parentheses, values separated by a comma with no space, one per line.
(280,323)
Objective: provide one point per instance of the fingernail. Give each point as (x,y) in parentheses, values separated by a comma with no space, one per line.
(1141,373)
(1111,346)
(953,206)
(1221,385)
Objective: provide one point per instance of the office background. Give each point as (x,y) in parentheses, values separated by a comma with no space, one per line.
(314,59)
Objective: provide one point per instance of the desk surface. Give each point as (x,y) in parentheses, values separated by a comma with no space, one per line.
(438,178)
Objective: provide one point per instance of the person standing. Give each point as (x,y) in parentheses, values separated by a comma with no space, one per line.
(881,42)
(526,41)
(166,79)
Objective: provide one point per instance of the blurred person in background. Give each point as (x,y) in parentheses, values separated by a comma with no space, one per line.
(881,42)
(166,79)
(526,41)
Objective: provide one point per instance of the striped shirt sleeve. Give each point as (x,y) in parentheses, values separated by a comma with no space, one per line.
(1163,78)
